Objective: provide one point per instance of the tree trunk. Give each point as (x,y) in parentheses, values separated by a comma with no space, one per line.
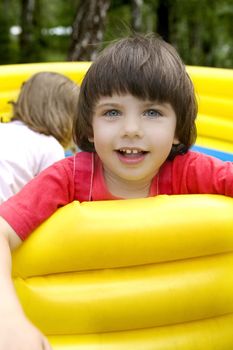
(88,29)
(163,19)
(30,35)
(137,15)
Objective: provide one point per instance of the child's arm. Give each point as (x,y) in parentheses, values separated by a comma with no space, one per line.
(16,331)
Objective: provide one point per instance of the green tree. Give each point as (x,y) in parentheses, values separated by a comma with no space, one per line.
(202,31)
(5,39)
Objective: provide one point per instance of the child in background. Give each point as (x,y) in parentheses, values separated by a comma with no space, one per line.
(39,131)
(136,122)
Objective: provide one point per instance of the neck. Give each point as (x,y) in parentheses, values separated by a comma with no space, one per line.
(127,189)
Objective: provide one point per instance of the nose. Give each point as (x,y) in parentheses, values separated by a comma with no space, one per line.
(132,127)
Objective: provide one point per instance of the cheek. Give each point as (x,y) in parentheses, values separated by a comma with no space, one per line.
(100,137)
(163,140)
(162,135)
(99,134)
(102,131)
(170,132)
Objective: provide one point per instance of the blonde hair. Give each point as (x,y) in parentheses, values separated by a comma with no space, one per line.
(47,104)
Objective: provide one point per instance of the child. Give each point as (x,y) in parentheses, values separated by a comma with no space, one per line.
(40,129)
(135,122)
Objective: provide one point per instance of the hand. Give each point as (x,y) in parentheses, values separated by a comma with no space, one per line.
(18,333)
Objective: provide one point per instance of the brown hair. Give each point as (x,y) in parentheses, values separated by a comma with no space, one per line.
(47,104)
(148,68)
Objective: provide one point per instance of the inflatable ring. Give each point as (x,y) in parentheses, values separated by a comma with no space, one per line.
(152,273)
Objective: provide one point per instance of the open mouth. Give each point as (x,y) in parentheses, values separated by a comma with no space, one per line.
(131,152)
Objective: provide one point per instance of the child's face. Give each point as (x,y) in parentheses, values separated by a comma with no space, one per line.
(132,137)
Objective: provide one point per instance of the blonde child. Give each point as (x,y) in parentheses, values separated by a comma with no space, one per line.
(136,122)
(39,131)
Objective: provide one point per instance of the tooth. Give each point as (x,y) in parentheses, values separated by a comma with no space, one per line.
(128,151)
(135,151)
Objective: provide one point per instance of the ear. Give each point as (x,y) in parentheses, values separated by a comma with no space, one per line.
(176,141)
(91,139)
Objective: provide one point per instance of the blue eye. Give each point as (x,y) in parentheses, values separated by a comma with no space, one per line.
(152,113)
(112,113)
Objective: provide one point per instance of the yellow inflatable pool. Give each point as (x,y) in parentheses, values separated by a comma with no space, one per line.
(141,274)
(147,274)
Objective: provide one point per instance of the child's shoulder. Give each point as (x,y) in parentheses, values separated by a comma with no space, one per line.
(197,162)
(195,157)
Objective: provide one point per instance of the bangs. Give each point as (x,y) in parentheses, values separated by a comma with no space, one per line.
(148,76)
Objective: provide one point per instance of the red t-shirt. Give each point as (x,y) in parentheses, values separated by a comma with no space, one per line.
(81,178)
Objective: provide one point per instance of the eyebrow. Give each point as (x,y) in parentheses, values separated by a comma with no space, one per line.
(108,104)
(146,104)
(115,104)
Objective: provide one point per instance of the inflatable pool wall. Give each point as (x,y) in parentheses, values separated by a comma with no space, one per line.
(214,89)
(141,274)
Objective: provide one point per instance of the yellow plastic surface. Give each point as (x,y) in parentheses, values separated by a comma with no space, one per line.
(214,89)
(144,274)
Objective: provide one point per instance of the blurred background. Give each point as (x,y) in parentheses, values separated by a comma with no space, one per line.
(70,30)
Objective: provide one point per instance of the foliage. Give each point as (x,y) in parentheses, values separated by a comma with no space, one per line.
(202,31)
(8,44)
(203,34)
